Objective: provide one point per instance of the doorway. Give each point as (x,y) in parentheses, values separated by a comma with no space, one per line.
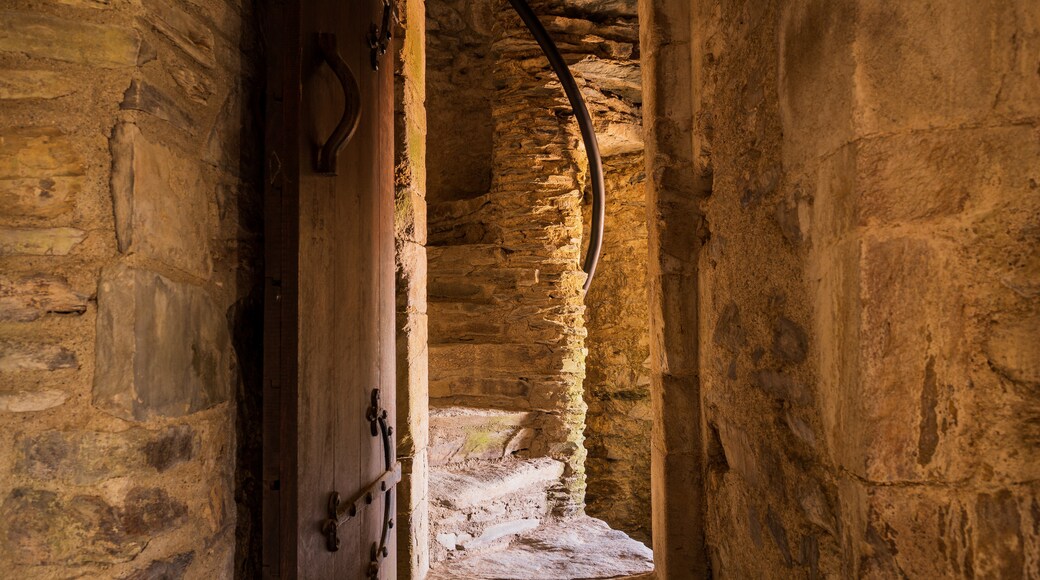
(509,332)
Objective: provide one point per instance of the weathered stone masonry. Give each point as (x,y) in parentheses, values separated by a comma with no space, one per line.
(870,290)
(507,327)
(128,237)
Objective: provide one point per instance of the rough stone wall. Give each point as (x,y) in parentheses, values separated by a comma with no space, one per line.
(505,288)
(871,290)
(677,233)
(617,381)
(506,306)
(413,401)
(602,40)
(459,82)
(128,252)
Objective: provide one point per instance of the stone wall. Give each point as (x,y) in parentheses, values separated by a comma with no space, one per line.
(871,290)
(413,400)
(507,325)
(602,41)
(129,259)
(459,82)
(505,285)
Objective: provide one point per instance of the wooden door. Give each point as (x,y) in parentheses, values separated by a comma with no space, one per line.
(329,319)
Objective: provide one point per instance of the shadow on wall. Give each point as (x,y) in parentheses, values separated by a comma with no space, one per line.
(246,317)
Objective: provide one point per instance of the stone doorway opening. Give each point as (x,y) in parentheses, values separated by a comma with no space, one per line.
(539,419)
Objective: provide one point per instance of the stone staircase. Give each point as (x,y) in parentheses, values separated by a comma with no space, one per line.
(485,486)
(492,508)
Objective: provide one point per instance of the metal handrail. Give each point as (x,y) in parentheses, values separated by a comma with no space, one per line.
(588,134)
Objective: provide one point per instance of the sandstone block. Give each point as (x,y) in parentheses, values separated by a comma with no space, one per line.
(674,397)
(163,347)
(34,356)
(412,383)
(411,277)
(816,69)
(922,176)
(44,527)
(89,457)
(30,401)
(494,360)
(1013,348)
(172,568)
(196,85)
(143,96)
(183,29)
(29,298)
(95,4)
(895,365)
(39,241)
(33,84)
(164,207)
(43,36)
(980,534)
(939,83)
(40,172)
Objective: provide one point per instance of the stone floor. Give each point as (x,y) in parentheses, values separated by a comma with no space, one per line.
(581,548)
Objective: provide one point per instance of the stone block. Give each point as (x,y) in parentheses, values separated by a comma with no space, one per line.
(34,356)
(411,277)
(72,40)
(1013,348)
(34,84)
(922,176)
(674,325)
(39,241)
(194,83)
(974,534)
(183,29)
(90,457)
(95,4)
(41,172)
(31,401)
(678,520)
(409,213)
(674,400)
(895,364)
(45,527)
(412,383)
(163,347)
(494,360)
(146,97)
(29,298)
(816,72)
(938,82)
(165,209)
(172,568)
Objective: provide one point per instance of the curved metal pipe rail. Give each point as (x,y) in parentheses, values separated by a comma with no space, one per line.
(588,134)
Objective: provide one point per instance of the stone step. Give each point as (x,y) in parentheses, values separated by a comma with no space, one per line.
(477,483)
(460,434)
(480,505)
(577,548)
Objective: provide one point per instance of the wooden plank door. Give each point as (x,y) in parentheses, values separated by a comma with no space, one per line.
(329,317)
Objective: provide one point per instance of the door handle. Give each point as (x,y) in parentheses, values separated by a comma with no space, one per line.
(348,123)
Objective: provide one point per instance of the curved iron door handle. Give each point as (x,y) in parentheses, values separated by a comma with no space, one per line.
(348,123)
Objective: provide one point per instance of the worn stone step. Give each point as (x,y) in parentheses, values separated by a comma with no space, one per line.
(498,534)
(478,483)
(479,505)
(460,434)
(577,548)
